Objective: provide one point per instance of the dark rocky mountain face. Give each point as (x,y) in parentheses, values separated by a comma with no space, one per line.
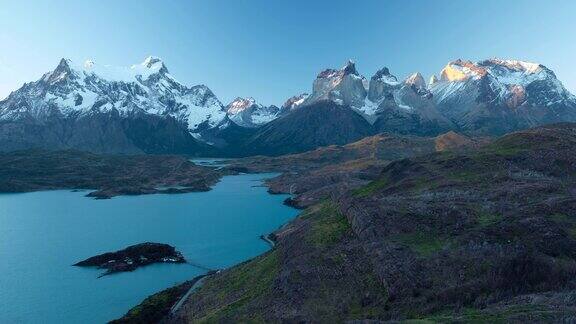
(228,138)
(106,132)
(319,124)
(292,103)
(425,120)
(166,135)
(102,133)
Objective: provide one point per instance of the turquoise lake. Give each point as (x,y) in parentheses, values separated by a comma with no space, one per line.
(43,233)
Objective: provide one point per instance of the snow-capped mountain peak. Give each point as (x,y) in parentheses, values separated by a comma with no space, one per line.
(150,66)
(151,61)
(416,80)
(239,104)
(418,85)
(384,75)
(496,87)
(516,82)
(516,72)
(509,71)
(488,97)
(515,65)
(382,85)
(461,70)
(349,68)
(294,102)
(62,72)
(499,74)
(88,64)
(246,112)
(344,86)
(90,88)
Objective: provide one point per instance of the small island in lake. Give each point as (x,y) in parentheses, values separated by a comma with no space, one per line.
(133,257)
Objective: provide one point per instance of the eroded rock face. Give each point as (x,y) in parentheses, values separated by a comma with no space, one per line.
(452,141)
(344,86)
(382,86)
(308,127)
(416,114)
(407,107)
(461,70)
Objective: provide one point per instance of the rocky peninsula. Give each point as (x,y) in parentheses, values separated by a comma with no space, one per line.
(106,175)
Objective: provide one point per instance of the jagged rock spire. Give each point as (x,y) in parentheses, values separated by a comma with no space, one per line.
(350,68)
(416,80)
(382,72)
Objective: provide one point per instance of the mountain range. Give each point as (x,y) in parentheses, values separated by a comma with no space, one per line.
(144,109)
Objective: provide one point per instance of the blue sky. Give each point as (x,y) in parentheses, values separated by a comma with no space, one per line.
(271,50)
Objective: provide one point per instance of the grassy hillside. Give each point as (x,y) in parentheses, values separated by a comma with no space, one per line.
(479,236)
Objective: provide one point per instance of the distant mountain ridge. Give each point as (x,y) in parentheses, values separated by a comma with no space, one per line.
(498,96)
(149,87)
(143,109)
(246,112)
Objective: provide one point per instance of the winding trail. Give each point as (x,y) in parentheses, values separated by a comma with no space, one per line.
(266,239)
(197,281)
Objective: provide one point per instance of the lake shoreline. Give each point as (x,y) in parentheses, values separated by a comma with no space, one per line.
(216,229)
(269,239)
(163,303)
(105,175)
